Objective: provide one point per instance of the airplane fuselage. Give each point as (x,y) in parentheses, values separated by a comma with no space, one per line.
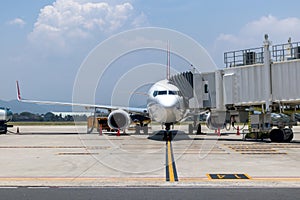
(165,103)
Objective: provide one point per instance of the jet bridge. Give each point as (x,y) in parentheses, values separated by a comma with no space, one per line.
(266,77)
(272,79)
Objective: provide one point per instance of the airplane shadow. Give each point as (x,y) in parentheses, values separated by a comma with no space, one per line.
(176,135)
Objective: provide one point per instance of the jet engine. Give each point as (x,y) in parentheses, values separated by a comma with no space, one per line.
(5,116)
(119,119)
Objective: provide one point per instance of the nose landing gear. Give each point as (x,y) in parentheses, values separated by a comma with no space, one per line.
(167,133)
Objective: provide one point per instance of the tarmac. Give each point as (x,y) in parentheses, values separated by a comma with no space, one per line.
(63,156)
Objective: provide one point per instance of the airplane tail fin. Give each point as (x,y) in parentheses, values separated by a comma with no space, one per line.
(18,92)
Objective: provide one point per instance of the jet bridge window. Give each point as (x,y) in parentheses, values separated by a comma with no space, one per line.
(206,88)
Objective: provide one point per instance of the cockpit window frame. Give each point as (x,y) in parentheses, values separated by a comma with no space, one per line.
(166,92)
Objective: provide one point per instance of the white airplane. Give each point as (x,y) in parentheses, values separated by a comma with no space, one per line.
(165,105)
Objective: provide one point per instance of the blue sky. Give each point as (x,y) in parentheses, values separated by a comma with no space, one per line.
(43,49)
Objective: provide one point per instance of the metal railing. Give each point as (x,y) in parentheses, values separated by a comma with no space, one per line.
(243,57)
(288,51)
(279,53)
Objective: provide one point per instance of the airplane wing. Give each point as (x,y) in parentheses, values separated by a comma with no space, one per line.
(107,107)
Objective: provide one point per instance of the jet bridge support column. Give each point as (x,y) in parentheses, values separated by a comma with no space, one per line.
(219,90)
(196,102)
(217,117)
(267,74)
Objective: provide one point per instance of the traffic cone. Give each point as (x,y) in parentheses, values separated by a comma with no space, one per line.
(238,131)
(118,132)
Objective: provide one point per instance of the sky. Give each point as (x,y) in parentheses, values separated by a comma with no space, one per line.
(44,42)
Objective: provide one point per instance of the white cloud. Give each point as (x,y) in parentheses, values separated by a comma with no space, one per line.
(66,21)
(140,20)
(17,21)
(279,31)
(252,34)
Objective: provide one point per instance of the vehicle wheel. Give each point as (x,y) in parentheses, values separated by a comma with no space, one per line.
(290,138)
(4,130)
(145,129)
(290,133)
(277,135)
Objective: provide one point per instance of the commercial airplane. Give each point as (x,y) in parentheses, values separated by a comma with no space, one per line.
(165,105)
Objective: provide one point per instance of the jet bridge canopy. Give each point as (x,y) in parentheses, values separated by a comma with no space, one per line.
(245,84)
(198,90)
(265,75)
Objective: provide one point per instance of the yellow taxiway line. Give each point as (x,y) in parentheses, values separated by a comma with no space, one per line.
(170,163)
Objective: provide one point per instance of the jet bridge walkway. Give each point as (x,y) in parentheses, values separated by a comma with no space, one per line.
(267,77)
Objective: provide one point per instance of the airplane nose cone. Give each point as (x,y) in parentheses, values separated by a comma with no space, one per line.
(169,101)
(165,109)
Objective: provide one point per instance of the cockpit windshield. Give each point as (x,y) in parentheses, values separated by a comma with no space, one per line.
(163,92)
(166,92)
(173,92)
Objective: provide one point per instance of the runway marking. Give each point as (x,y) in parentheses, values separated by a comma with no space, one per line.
(261,149)
(228,176)
(77,153)
(193,149)
(56,147)
(264,153)
(79,179)
(265,145)
(42,147)
(171,173)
